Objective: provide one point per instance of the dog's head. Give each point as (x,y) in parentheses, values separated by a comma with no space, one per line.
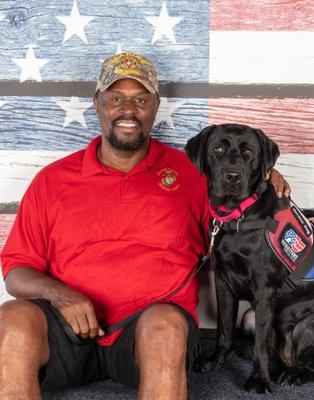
(235,158)
(302,344)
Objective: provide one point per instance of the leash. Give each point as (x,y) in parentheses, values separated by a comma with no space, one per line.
(121,324)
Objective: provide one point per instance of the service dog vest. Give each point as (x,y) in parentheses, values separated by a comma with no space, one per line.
(288,233)
(292,243)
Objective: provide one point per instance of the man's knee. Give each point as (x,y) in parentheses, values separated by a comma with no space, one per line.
(163,322)
(21,321)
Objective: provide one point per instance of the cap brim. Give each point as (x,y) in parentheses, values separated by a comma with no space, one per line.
(102,88)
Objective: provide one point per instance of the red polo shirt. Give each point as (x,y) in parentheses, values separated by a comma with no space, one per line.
(123,239)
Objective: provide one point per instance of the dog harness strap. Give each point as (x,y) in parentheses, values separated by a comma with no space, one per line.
(294,279)
(267,223)
(121,324)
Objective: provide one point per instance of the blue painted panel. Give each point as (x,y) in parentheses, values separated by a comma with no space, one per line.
(115,22)
(36,123)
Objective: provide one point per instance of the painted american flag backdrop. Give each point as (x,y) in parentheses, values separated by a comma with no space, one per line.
(218,61)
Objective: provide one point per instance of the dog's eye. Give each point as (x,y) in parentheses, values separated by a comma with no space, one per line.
(218,150)
(248,153)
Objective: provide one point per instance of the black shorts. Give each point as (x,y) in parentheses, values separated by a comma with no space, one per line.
(75,362)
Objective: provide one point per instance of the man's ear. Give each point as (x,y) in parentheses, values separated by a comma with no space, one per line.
(158,104)
(269,152)
(196,145)
(95,101)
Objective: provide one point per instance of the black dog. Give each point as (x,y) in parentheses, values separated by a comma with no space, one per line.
(247,217)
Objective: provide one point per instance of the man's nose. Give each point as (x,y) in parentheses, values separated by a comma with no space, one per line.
(129,107)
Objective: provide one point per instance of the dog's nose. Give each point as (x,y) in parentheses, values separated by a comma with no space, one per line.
(232,177)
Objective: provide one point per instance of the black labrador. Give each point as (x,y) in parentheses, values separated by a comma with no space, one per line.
(236,159)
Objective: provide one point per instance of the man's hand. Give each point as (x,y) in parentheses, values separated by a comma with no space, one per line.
(281,186)
(78,311)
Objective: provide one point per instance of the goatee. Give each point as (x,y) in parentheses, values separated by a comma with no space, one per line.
(128,143)
(125,144)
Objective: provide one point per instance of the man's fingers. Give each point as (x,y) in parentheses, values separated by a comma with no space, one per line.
(71,320)
(94,328)
(281,186)
(83,325)
(287,189)
(101,332)
(79,312)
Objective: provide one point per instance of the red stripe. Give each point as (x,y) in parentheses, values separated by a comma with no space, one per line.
(6,222)
(262,15)
(289,122)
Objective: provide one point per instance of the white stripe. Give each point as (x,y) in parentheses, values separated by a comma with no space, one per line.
(261,57)
(17,168)
(298,170)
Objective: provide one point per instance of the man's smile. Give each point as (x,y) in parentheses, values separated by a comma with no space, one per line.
(127,124)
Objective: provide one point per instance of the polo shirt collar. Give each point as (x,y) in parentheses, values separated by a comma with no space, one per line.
(92,166)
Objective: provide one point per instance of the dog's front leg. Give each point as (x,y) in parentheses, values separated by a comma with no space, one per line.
(227,309)
(259,381)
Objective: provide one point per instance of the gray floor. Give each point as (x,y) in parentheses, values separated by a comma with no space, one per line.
(223,385)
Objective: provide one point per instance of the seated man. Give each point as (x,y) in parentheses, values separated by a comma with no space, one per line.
(101,234)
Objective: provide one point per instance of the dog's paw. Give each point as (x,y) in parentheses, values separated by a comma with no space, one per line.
(207,364)
(257,385)
(291,378)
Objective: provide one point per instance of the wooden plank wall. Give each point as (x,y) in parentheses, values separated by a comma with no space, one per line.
(246,61)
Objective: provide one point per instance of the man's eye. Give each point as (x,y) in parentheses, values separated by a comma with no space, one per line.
(218,150)
(141,100)
(116,99)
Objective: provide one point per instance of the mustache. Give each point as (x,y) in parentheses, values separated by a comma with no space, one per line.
(126,118)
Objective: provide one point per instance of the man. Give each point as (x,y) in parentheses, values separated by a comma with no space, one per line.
(101,234)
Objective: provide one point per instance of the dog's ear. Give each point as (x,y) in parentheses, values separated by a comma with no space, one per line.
(196,145)
(269,152)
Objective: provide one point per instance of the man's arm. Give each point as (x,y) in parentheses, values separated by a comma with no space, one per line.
(77,309)
(281,186)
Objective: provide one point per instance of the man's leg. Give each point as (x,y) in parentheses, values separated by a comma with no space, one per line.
(24,349)
(160,351)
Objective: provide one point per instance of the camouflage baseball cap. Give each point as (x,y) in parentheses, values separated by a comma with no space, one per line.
(128,65)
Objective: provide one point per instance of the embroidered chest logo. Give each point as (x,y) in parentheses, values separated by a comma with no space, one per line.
(168,179)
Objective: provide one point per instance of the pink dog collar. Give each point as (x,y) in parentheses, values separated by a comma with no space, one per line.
(236,213)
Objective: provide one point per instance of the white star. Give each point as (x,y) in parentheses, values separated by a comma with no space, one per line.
(30,65)
(74,110)
(74,23)
(119,49)
(166,110)
(164,24)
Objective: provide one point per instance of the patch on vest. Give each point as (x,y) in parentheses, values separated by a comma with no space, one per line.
(293,240)
(293,244)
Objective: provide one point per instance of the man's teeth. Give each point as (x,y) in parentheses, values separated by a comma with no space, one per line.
(126,124)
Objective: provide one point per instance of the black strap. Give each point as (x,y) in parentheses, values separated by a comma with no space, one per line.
(294,279)
(242,225)
(121,324)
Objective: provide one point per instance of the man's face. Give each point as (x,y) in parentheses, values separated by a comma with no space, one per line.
(126,112)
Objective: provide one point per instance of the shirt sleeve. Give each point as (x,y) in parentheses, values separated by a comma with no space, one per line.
(26,245)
